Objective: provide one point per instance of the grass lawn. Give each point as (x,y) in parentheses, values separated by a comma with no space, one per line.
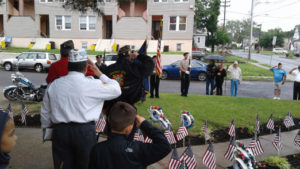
(219,111)
(57,51)
(250,71)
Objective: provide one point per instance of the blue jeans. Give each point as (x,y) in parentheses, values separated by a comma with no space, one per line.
(210,81)
(234,87)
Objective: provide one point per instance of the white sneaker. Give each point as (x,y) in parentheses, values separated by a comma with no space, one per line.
(278,98)
(274,98)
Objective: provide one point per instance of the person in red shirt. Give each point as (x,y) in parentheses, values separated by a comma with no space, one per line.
(60,68)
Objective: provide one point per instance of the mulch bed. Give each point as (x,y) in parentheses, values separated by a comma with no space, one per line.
(217,135)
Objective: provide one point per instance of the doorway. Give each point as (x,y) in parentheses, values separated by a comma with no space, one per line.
(107,27)
(44,26)
(155,27)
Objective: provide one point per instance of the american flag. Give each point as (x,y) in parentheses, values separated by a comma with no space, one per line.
(270,124)
(189,158)
(174,161)
(209,157)
(24,112)
(148,140)
(297,139)
(277,142)
(100,124)
(257,124)
(9,111)
(231,130)
(205,131)
(288,121)
(170,136)
(158,65)
(182,132)
(230,150)
(255,145)
(138,136)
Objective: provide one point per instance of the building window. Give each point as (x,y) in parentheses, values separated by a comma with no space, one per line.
(160,0)
(178,1)
(198,39)
(87,22)
(84,45)
(178,47)
(177,23)
(63,22)
(62,1)
(46,1)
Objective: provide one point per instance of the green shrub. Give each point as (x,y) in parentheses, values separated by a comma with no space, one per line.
(277,161)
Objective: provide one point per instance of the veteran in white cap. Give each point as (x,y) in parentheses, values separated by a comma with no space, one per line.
(71,106)
(235,78)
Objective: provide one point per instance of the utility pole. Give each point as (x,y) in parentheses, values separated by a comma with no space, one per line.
(251,30)
(225,4)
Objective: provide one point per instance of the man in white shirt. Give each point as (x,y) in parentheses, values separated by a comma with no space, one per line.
(185,71)
(235,77)
(296,73)
(71,106)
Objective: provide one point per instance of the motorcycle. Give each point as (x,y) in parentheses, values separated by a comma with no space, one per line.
(23,89)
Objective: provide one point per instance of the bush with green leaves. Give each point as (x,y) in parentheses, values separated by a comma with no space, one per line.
(278,161)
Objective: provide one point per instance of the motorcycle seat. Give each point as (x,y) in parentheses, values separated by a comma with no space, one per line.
(34,87)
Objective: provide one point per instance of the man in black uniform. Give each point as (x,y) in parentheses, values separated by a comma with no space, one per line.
(130,75)
(120,151)
(101,66)
(154,81)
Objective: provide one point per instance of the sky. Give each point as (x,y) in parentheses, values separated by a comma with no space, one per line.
(284,14)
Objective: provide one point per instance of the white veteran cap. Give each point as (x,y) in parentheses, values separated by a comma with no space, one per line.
(78,55)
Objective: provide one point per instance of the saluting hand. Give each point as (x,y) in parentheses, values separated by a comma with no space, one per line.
(94,68)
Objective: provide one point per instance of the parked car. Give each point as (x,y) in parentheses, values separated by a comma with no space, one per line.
(198,70)
(110,58)
(38,61)
(198,55)
(279,51)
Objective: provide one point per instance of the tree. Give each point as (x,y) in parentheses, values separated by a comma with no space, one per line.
(206,17)
(267,38)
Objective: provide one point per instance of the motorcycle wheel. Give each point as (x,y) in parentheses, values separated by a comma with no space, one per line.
(9,94)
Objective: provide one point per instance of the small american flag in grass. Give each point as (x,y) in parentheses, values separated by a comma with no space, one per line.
(255,145)
(189,158)
(257,124)
(182,132)
(24,113)
(170,136)
(230,150)
(138,136)
(231,130)
(288,121)
(277,142)
(270,124)
(205,131)
(297,139)
(174,161)
(209,158)
(100,124)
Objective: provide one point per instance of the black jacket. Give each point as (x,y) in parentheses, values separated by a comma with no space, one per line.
(120,152)
(130,76)
(211,71)
(223,74)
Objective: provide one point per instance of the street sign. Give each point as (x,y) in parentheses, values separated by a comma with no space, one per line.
(274,40)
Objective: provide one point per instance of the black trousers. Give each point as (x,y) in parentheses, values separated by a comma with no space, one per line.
(296,91)
(185,84)
(219,87)
(154,85)
(71,145)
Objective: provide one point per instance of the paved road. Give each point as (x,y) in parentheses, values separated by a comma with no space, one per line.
(247,88)
(288,64)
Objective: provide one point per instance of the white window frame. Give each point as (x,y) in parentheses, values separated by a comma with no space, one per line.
(181,1)
(46,1)
(63,22)
(88,23)
(160,1)
(178,23)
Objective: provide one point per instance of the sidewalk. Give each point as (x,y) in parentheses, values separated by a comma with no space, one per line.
(31,153)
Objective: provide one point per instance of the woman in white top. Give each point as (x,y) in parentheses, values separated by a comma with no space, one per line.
(296,73)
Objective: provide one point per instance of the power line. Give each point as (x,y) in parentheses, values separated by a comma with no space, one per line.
(293,3)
